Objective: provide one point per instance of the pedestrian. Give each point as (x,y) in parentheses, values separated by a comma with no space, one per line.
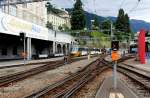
(65,59)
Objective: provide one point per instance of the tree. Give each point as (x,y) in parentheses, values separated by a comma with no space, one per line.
(106,27)
(127,27)
(123,26)
(127,24)
(120,22)
(78,17)
(60,28)
(95,23)
(49,7)
(49,25)
(52,9)
(65,27)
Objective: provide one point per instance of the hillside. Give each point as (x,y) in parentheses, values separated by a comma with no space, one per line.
(136,25)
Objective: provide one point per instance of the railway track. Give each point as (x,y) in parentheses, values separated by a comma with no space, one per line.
(69,85)
(76,80)
(140,81)
(8,79)
(139,78)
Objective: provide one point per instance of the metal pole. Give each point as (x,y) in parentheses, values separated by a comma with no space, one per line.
(1,8)
(115,74)
(8,7)
(24,49)
(111,31)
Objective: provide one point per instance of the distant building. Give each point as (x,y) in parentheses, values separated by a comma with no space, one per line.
(36,12)
(59,19)
(33,12)
(31,19)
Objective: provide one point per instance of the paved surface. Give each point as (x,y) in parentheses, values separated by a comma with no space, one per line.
(21,62)
(133,63)
(122,91)
(15,63)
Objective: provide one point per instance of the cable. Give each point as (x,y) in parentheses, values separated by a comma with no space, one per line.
(137,4)
(121,4)
(94,7)
(142,9)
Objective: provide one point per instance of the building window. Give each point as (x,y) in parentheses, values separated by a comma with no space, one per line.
(24,5)
(4,51)
(13,10)
(15,50)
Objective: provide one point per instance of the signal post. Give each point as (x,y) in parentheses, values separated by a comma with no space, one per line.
(115,57)
(23,38)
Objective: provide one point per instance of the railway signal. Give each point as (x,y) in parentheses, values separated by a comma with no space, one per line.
(115,57)
(22,35)
(23,38)
(115,45)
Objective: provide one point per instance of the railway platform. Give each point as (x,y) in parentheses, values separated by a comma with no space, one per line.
(106,90)
(15,63)
(134,64)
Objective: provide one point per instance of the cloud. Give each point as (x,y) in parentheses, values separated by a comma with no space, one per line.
(63,3)
(135,10)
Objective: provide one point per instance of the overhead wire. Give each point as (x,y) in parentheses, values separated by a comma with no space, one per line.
(142,9)
(134,8)
(121,4)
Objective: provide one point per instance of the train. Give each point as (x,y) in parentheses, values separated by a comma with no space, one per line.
(133,48)
(134,44)
(78,51)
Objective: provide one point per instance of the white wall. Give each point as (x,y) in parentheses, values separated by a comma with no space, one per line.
(13,26)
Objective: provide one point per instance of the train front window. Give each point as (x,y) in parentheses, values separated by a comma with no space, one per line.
(147,47)
(74,49)
(147,34)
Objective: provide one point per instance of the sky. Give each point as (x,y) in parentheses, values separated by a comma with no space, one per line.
(136,10)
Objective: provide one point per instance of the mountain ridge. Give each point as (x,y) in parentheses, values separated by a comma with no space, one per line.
(135,24)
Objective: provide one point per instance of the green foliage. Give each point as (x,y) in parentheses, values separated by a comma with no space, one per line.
(122,26)
(49,25)
(95,25)
(60,28)
(65,27)
(120,22)
(100,39)
(132,35)
(106,26)
(82,42)
(127,24)
(51,9)
(77,16)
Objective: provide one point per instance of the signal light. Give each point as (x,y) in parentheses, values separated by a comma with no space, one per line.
(22,35)
(115,45)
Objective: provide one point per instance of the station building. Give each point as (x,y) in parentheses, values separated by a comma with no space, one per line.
(60,19)
(35,12)
(39,40)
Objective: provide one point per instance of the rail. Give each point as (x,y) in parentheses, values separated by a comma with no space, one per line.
(71,84)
